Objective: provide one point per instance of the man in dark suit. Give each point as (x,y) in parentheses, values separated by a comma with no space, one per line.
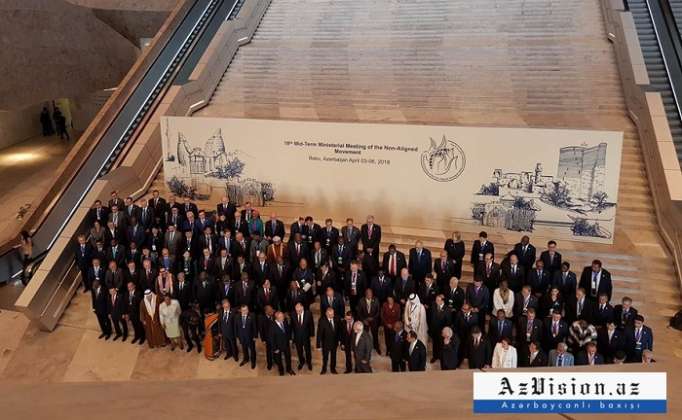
(478,297)
(427,291)
(98,213)
(94,272)
(416,353)
(116,306)
(596,281)
(245,291)
(638,338)
(478,350)
(281,344)
(113,278)
(603,311)
(523,301)
(444,268)
(624,314)
(329,235)
(183,292)
(331,299)
(439,317)
(525,253)
(351,236)
(346,339)
(579,307)
(188,206)
(310,232)
(355,284)
(551,258)
(226,290)
(100,305)
(115,200)
(514,273)
(404,287)
(297,250)
(274,227)
(536,357)
(465,321)
(539,279)
(370,233)
(481,247)
(296,227)
(589,356)
(247,333)
(394,261)
(368,312)
(610,340)
(500,327)
(159,207)
(83,256)
(382,287)
(420,262)
(489,272)
(132,300)
(204,290)
(556,331)
(303,330)
(341,256)
(266,321)
(266,295)
(228,331)
(398,348)
(529,329)
(565,280)
(226,208)
(328,339)
(260,268)
(147,217)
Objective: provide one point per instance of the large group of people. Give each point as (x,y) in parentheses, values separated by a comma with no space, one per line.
(225,278)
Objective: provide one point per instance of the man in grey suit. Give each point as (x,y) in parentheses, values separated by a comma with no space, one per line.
(560,357)
(172,240)
(362,348)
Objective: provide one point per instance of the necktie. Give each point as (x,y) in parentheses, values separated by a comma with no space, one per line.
(638,336)
(300,319)
(560,360)
(555,328)
(243,322)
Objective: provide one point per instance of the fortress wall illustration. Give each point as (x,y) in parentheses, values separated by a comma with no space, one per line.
(406,175)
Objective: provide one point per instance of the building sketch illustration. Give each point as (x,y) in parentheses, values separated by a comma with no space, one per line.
(573,198)
(196,170)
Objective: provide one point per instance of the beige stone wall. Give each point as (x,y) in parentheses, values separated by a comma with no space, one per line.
(73,53)
(17,126)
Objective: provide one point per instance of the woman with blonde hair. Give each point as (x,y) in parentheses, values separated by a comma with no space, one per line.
(169,315)
(503,298)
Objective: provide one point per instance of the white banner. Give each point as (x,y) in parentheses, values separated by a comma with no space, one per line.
(564,182)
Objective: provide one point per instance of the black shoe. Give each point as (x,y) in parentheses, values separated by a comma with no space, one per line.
(116,337)
(243,362)
(189,349)
(134,341)
(434,360)
(141,342)
(106,337)
(334,372)
(101,336)
(253,365)
(323,371)
(348,371)
(269,367)
(300,366)
(199,349)
(310,366)
(292,373)
(125,337)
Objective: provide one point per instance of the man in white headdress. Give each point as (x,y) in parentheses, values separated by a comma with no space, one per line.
(414,318)
(150,317)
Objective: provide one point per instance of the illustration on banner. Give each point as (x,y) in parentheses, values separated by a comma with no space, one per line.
(443,162)
(574,198)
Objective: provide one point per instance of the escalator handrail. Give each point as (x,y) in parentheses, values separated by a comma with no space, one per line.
(94,136)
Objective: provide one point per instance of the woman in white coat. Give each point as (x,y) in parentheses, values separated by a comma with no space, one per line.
(414,318)
(503,298)
(504,355)
(169,315)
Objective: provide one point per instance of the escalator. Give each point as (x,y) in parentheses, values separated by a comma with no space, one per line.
(179,56)
(657,23)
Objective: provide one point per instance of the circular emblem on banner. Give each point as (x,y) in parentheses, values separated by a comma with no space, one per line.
(443,162)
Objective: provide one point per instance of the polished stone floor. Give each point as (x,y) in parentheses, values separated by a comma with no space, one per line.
(26,171)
